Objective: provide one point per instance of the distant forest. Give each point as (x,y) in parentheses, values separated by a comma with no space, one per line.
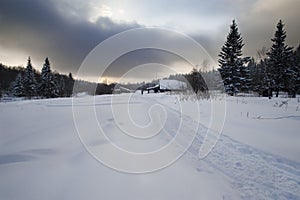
(29,83)
(276,70)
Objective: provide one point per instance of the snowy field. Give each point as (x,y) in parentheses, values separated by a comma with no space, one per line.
(42,156)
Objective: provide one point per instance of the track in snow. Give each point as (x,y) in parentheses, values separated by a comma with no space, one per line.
(255,173)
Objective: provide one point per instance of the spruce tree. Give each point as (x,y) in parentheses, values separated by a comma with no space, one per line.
(256,79)
(62,86)
(69,83)
(48,86)
(260,79)
(243,68)
(296,64)
(29,81)
(18,88)
(261,75)
(279,62)
(293,74)
(235,76)
(0,91)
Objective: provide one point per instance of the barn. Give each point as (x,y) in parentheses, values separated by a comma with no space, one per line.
(166,85)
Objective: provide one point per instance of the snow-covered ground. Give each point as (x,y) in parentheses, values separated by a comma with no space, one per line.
(42,156)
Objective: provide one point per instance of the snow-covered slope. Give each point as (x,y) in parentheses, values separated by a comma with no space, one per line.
(42,156)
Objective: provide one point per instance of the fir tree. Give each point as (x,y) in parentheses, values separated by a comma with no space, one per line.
(261,75)
(18,88)
(48,86)
(296,63)
(293,74)
(256,79)
(260,79)
(279,61)
(69,83)
(243,68)
(71,76)
(62,87)
(233,72)
(29,81)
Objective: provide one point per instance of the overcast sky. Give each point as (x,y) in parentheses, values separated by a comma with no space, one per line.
(67,30)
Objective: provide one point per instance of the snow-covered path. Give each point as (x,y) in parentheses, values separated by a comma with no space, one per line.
(41,156)
(253,172)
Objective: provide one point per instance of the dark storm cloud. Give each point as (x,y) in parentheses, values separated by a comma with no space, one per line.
(258,25)
(63,31)
(140,57)
(47,28)
(39,29)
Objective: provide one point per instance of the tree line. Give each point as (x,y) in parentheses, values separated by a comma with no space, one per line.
(28,82)
(277,69)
